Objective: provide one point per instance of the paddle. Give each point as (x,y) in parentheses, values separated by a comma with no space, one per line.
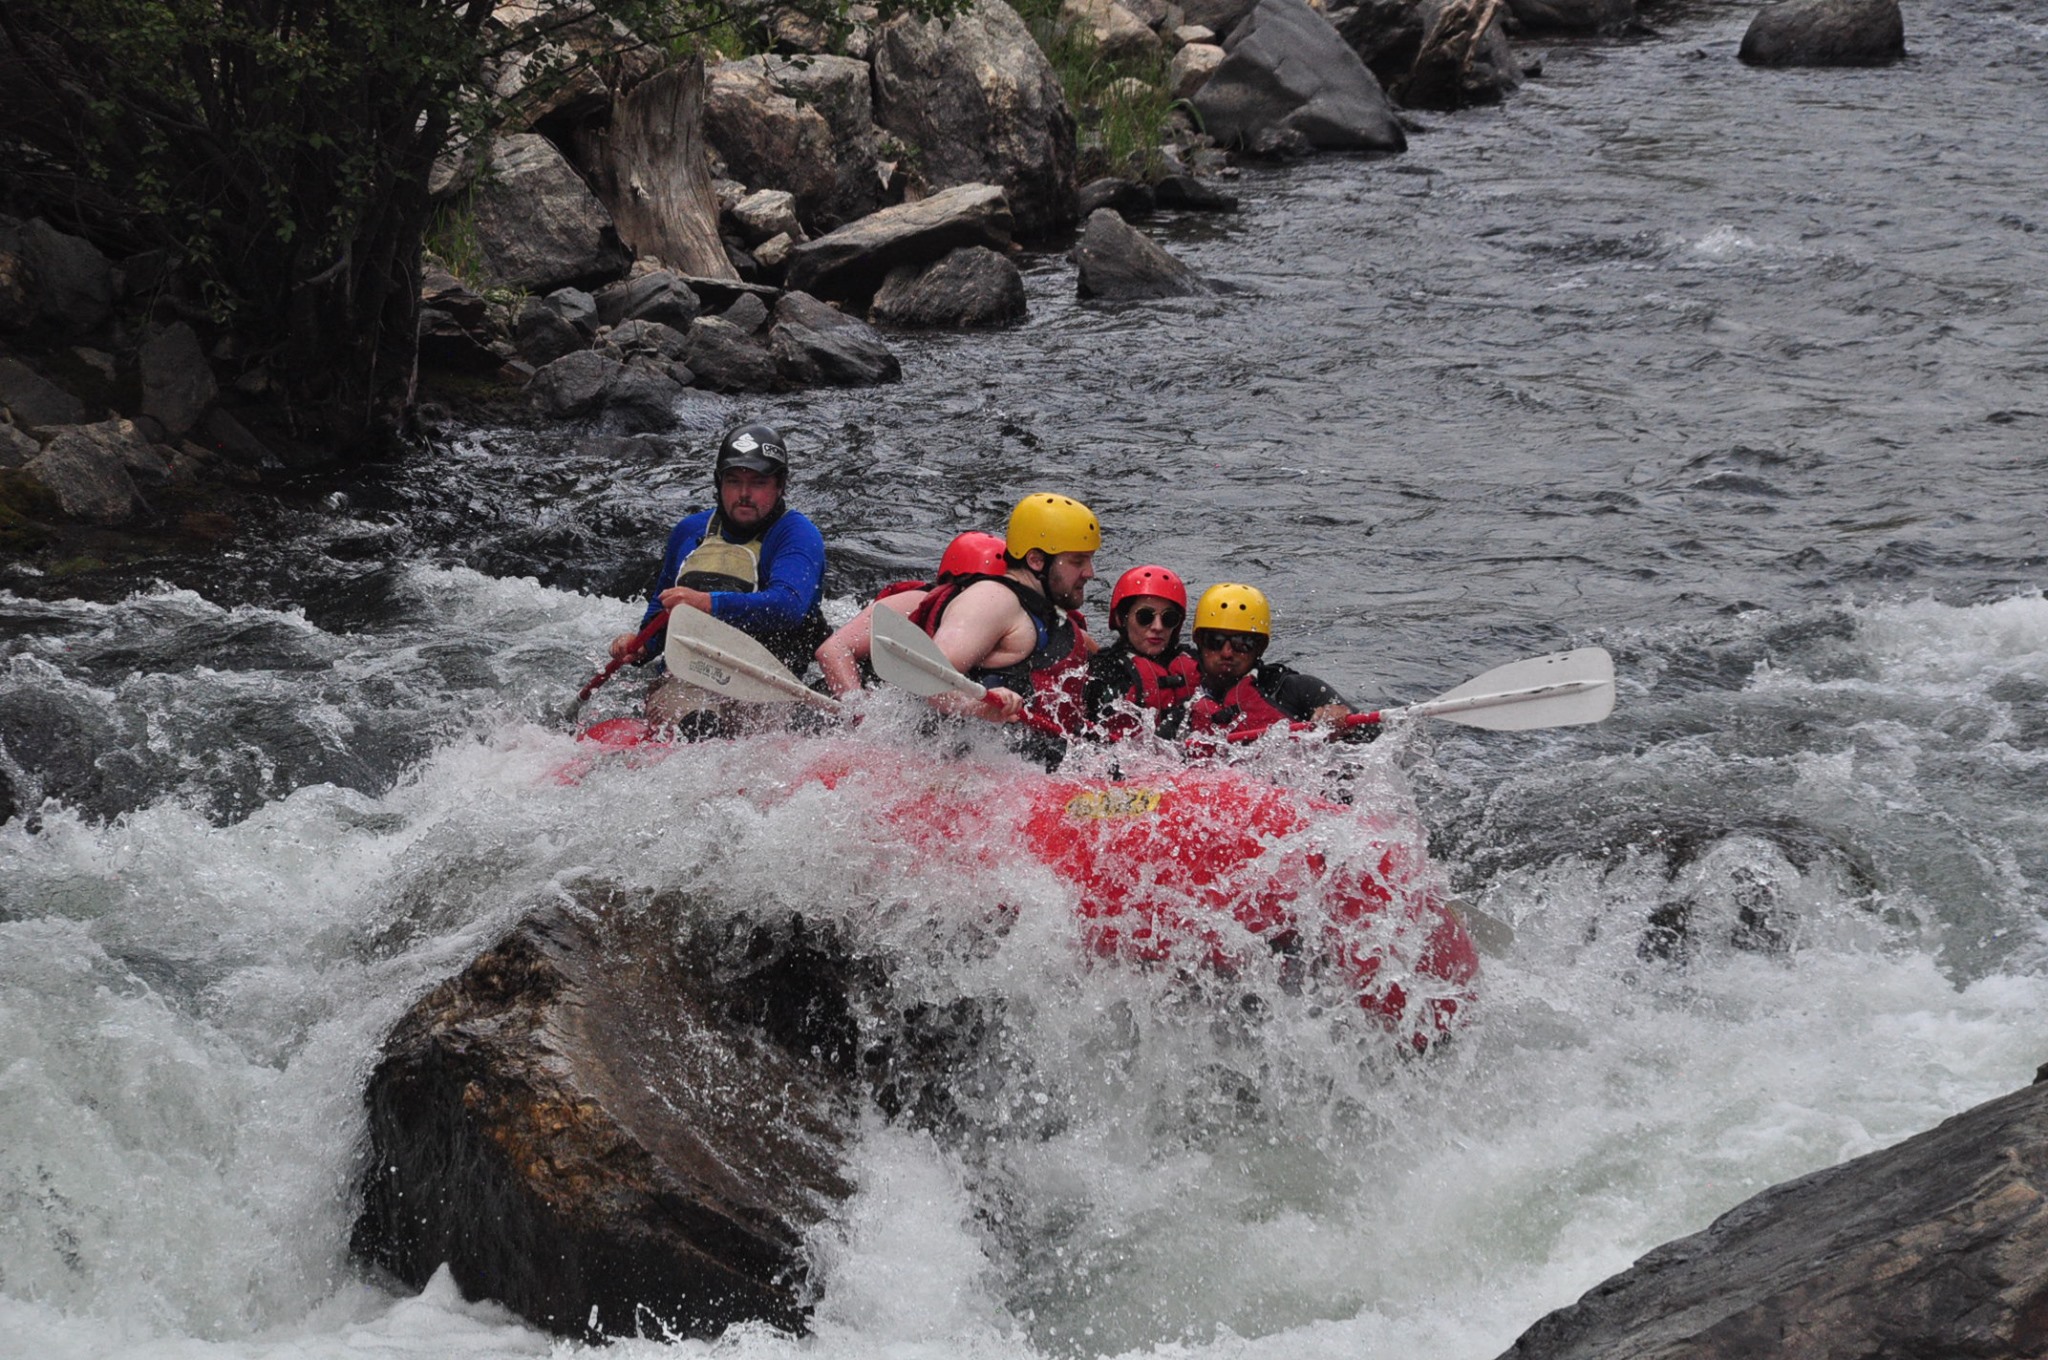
(611,668)
(904,655)
(1563,689)
(720,658)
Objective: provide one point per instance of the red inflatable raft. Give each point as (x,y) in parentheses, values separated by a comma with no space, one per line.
(1195,868)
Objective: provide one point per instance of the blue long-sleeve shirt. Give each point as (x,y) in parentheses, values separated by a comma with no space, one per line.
(792,574)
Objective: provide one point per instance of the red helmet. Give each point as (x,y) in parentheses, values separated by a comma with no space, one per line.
(1146,581)
(972,554)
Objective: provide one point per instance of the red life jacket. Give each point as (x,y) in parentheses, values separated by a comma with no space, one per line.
(1126,694)
(901,588)
(1240,713)
(1178,681)
(1050,678)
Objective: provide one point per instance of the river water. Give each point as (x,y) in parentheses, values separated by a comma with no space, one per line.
(1741,375)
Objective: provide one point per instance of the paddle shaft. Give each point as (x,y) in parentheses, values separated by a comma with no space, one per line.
(611,668)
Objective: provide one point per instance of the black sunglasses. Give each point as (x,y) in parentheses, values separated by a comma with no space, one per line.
(1217,642)
(1146,616)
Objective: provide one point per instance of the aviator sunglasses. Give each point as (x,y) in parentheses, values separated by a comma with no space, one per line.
(1146,616)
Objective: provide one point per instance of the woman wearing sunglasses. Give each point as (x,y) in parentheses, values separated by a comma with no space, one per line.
(1140,681)
(1240,694)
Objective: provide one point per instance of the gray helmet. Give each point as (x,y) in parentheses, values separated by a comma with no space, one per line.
(757,448)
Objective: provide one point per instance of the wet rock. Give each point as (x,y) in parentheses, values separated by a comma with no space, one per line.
(643,398)
(1118,195)
(748,312)
(1287,76)
(973,286)
(446,343)
(653,295)
(637,399)
(1191,68)
(728,359)
(538,224)
(815,344)
(616,1128)
(1191,194)
(849,264)
(1386,34)
(1935,1247)
(1573,16)
(1119,35)
(805,125)
(717,295)
(630,340)
(1825,33)
(177,381)
(578,308)
(1458,63)
(1119,263)
(85,470)
(34,400)
(980,103)
(543,334)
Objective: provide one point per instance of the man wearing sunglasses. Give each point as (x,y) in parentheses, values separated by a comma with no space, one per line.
(1240,693)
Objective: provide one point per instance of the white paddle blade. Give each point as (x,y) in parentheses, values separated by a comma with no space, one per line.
(1563,689)
(904,655)
(715,656)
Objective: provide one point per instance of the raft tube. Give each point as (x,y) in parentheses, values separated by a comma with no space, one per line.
(1195,868)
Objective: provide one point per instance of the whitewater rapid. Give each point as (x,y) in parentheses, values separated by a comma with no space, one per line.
(188,1011)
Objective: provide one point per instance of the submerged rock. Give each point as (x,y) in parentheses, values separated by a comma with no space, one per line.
(1572,16)
(614,1130)
(1937,1246)
(1119,263)
(973,286)
(1826,33)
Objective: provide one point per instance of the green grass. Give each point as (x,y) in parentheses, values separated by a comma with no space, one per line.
(1121,125)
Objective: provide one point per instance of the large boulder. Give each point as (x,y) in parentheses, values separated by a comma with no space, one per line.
(805,126)
(973,286)
(1937,1246)
(538,224)
(1572,16)
(730,358)
(51,279)
(587,384)
(86,470)
(979,104)
(816,345)
(177,381)
(1220,17)
(1119,263)
(616,1124)
(849,264)
(34,400)
(1289,80)
(1825,33)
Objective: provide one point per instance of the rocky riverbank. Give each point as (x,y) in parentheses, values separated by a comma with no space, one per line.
(646,226)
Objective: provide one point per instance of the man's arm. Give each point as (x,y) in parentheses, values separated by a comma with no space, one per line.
(977,629)
(840,655)
(1303,697)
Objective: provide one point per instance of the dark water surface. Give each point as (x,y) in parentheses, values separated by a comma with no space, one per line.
(1742,375)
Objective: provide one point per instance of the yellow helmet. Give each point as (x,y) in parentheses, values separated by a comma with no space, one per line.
(1051,524)
(1234,609)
